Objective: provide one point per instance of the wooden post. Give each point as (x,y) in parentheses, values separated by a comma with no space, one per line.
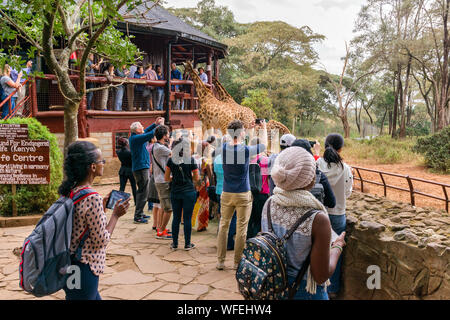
(14,206)
(34,106)
(209,67)
(168,89)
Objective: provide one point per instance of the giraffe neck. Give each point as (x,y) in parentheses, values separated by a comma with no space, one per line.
(202,91)
(223,93)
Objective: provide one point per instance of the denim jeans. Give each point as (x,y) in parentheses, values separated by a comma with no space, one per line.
(5,109)
(159,99)
(119,98)
(88,285)
(302,294)
(338,224)
(89,95)
(182,204)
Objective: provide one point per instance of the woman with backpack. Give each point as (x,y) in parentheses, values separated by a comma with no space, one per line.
(340,177)
(328,200)
(259,196)
(294,173)
(182,173)
(91,232)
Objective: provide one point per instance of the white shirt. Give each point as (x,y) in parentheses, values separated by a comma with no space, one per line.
(341,182)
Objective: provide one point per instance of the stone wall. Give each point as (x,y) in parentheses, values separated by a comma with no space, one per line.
(103,139)
(411,247)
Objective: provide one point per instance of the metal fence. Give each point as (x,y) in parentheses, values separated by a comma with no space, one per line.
(410,181)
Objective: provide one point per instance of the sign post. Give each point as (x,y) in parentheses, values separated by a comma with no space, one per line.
(22,161)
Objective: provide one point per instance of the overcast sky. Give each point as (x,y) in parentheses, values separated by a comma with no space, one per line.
(332,18)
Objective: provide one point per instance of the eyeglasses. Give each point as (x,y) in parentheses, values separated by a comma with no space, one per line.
(101,161)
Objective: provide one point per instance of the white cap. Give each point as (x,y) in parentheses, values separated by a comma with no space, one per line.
(287,140)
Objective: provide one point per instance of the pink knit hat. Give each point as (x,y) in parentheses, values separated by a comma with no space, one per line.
(294,168)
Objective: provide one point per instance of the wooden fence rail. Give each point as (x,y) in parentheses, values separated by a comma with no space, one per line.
(409,179)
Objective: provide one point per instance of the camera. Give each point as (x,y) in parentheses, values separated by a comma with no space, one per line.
(258,121)
(312,143)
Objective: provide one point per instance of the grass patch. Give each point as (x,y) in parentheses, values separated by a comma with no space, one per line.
(380,150)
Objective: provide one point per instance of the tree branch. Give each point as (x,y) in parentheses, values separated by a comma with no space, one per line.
(22,32)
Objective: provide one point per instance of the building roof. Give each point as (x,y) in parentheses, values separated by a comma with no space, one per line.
(168,24)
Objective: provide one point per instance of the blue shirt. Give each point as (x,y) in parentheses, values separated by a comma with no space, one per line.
(160,77)
(140,87)
(176,74)
(218,170)
(138,148)
(236,160)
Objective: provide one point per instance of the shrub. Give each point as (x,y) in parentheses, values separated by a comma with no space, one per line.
(34,199)
(436,150)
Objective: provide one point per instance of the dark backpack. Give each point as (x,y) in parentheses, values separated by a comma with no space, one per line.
(318,191)
(45,256)
(255,177)
(262,271)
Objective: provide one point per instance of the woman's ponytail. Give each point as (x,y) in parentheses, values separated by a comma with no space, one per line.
(333,143)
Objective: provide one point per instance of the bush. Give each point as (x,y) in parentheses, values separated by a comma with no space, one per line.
(436,150)
(34,199)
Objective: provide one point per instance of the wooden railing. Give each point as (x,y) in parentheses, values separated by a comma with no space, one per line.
(19,104)
(412,191)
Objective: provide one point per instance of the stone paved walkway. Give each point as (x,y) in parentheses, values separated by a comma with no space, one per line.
(139,266)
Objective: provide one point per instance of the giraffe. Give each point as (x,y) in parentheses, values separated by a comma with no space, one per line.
(246,115)
(274,128)
(213,113)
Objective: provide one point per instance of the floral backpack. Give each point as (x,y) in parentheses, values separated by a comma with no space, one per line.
(262,271)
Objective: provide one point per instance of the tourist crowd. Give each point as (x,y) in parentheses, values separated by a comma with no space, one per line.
(179,182)
(12,84)
(119,85)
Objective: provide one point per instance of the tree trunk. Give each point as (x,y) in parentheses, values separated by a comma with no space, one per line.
(398,74)
(346,125)
(409,109)
(404,100)
(357,120)
(443,105)
(382,122)
(70,123)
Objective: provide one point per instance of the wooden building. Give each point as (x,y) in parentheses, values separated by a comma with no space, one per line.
(171,40)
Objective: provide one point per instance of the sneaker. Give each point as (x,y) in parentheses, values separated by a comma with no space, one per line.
(220,266)
(190,246)
(140,221)
(173,247)
(164,235)
(146,216)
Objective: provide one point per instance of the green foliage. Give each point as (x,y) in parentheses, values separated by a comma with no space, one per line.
(258,100)
(216,21)
(35,199)
(436,150)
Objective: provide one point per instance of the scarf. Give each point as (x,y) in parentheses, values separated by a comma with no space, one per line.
(303,199)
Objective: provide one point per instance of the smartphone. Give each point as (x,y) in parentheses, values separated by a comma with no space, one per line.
(115,196)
